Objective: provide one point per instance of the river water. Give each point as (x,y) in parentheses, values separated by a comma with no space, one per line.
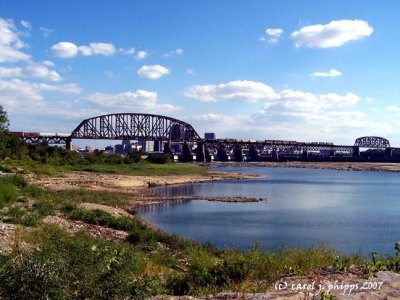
(354,212)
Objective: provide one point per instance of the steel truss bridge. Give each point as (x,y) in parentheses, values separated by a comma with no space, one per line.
(180,137)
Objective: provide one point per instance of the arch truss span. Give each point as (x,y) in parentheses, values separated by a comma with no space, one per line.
(372,142)
(135,126)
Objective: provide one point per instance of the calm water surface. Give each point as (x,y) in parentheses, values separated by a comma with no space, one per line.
(352,211)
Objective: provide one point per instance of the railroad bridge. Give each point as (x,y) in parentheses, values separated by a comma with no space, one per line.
(176,136)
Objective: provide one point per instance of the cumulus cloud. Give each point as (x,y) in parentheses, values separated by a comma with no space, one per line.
(68,49)
(153,71)
(30,71)
(106,49)
(10,43)
(64,50)
(330,73)
(239,90)
(134,101)
(273,35)
(285,114)
(20,94)
(141,55)
(333,34)
(275,32)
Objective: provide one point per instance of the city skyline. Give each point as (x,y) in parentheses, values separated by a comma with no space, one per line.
(315,71)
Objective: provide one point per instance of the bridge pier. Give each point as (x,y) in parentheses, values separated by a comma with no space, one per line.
(168,149)
(389,152)
(187,155)
(237,154)
(221,154)
(253,153)
(68,143)
(202,154)
(356,152)
(275,154)
(305,153)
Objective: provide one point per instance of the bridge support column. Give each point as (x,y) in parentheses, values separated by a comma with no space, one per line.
(157,145)
(275,154)
(237,154)
(305,153)
(168,149)
(221,154)
(202,154)
(356,152)
(389,152)
(253,153)
(187,155)
(68,143)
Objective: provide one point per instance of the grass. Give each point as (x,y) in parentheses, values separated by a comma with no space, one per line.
(149,262)
(140,168)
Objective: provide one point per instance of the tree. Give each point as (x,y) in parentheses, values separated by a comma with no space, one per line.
(4,122)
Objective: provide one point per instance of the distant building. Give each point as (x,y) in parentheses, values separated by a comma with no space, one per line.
(210,136)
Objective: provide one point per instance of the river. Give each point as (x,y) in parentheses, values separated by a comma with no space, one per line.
(354,212)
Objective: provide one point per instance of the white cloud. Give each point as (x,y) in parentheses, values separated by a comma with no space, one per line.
(129,51)
(275,32)
(48,63)
(239,90)
(137,101)
(106,49)
(64,50)
(333,34)
(30,71)
(153,71)
(141,55)
(68,49)
(190,71)
(19,95)
(393,108)
(273,35)
(10,43)
(330,73)
(26,24)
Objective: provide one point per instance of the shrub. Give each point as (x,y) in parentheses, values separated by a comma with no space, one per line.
(99,217)
(157,159)
(147,286)
(33,274)
(59,266)
(8,193)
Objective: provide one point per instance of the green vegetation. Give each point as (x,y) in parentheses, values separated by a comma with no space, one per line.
(53,161)
(43,160)
(148,262)
(47,262)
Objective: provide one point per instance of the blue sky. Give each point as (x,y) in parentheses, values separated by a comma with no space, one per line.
(293,70)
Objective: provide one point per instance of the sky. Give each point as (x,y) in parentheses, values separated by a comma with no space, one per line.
(293,70)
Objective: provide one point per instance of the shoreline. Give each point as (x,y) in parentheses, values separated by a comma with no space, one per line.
(139,187)
(141,191)
(341,166)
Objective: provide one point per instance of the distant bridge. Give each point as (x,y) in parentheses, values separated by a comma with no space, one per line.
(169,131)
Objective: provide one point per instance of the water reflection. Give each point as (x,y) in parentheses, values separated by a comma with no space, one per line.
(352,211)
